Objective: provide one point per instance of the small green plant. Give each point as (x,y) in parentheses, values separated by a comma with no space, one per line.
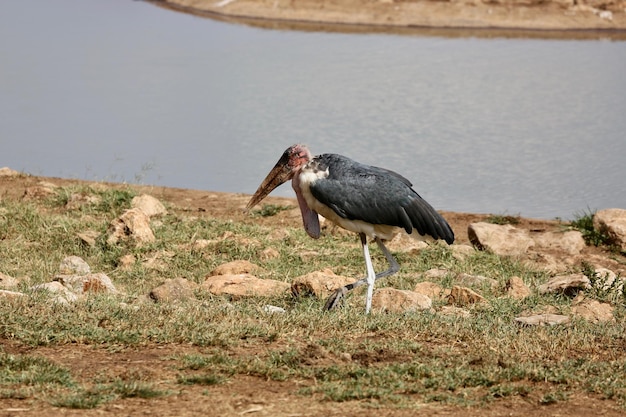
(604,286)
(135,389)
(583,222)
(503,219)
(81,399)
(553,397)
(115,200)
(269,210)
(32,370)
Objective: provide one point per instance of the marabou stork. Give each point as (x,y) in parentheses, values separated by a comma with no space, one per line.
(373,202)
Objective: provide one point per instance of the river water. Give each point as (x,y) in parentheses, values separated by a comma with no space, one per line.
(122,90)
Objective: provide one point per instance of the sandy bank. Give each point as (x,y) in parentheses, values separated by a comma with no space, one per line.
(591,18)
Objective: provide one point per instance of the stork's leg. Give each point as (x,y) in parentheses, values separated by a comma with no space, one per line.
(335,299)
(371,275)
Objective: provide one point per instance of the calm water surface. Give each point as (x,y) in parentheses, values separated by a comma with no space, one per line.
(123,90)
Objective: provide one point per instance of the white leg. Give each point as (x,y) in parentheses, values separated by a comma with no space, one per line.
(371,275)
(337,297)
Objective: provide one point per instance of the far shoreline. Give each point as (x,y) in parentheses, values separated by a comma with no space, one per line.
(263,18)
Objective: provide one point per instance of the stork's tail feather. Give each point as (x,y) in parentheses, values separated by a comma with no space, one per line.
(425,219)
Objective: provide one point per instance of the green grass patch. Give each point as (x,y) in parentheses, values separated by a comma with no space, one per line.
(502,219)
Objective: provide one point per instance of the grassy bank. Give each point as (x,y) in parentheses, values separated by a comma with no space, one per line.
(391,361)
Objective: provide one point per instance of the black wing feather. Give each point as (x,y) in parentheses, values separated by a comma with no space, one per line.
(376,195)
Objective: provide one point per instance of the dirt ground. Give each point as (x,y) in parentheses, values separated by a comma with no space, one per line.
(542,18)
(241,395)
(244,395)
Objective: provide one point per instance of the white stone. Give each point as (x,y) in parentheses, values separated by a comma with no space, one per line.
(89,283)
(74,265)
(58,291)
(273,309)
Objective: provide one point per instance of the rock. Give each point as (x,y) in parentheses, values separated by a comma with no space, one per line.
(406,244)
(605,14)
(546,262)
(516,288)
(236,267)
(565,283)
(89,283)
(273,309)
(607,280)
(462,252)
(58,291)
(78,200)
(319,283)
(399,301)
(8,172)
(177,289)
(570,242)
(464,296)
(268,254)
(42,190)
(499,239)
(435,273)
(612,222)
(592,310)
(148,204)
(7,281)
(74,265)
(159,260)
(10,295)
(543,319)
(134,224)
(126,261)
(200,244)
(89,237)
(431,290)
(476,280)
(307,256)
(244,285)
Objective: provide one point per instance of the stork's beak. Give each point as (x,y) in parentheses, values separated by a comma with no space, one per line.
(281,173)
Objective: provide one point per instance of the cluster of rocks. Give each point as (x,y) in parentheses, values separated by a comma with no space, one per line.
(133,224)
(238,279)
(509,240)
(74,281)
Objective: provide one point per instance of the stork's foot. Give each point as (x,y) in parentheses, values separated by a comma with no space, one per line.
(336,298)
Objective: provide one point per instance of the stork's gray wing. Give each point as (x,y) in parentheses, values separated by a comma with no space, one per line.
(378,196)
